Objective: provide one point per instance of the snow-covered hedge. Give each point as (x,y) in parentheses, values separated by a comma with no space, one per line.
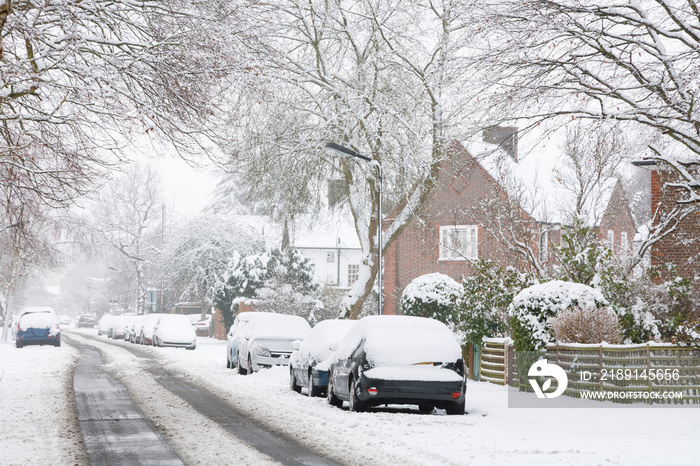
(431,295)
(533,308)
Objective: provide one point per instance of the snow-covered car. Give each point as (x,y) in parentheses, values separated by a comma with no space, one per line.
(174,330)
(38,326)
(149,322)
(135,329)
(306,365)
(105,324)
(398,360)
(85,321)
(234,337)
(118,328)
(267,340)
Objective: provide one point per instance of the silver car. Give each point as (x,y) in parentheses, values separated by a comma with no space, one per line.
(267,340)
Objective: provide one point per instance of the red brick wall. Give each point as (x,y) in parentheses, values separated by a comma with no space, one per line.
(682,247)
(461,183)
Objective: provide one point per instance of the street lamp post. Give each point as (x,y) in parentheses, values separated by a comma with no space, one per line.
(335,149)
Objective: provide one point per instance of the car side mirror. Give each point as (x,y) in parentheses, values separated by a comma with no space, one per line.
(296,344)
(333,347)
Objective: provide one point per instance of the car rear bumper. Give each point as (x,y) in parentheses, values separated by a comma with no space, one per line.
(176,344)
(33,340)
(320,378)
(440,394)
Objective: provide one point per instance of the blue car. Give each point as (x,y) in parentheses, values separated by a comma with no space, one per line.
(38,326)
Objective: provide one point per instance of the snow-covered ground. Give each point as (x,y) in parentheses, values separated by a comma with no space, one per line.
(490,433)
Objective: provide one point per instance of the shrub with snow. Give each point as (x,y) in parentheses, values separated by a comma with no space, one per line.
(532,310)
(481,309)
(431,295)
(587,325)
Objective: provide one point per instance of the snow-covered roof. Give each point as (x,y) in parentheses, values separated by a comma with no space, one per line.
(332,228)
(534,181)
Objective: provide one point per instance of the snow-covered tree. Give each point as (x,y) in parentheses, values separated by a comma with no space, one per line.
(371,75)
(277,281)
(127,213)
(80,79)
(198,251)
(28,233)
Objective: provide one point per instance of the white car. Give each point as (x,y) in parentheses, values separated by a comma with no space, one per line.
(134,329)
(234,337)
(119,325)
(267,340)
(149,322)
(175,330)
(305,368)
(105,324)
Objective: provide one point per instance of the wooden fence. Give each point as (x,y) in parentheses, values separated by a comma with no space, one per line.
(607,368)
(625,369)
(494,360)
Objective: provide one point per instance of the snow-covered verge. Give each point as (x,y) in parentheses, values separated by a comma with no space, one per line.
(490,432)
(37,406)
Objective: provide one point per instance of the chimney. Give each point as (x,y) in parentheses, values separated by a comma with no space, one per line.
(505,136)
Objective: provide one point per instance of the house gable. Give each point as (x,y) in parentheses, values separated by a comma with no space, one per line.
(452,206)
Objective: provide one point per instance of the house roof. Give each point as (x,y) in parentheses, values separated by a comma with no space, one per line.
(534,180)
(330,229)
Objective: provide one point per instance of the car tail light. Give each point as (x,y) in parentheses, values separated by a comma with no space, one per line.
(372,391)
(456,395)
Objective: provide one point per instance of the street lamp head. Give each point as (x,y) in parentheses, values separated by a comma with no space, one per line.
(336,149)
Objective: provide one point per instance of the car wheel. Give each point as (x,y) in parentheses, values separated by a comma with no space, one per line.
(355,404)
(332,399)
(313,390)
(228,362)
(456,408)
(425,409)
(250,365)
(238,366)
(57,343)
(293,381)
(191,347)
(18,344)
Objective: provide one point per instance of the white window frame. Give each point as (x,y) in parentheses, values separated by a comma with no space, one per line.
(356,274)
(611,237)
(451,252)
(330,257)
(624,242)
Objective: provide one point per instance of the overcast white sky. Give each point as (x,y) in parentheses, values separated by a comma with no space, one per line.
(186,189)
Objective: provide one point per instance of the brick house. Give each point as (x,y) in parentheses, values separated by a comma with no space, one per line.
(682,246)
(456,223)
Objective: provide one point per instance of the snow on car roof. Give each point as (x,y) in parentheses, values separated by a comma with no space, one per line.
(28,310)
(270,325)
(401,340)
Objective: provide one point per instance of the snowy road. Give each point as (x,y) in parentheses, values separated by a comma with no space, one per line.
(113,429)
(35,406)
(115,432)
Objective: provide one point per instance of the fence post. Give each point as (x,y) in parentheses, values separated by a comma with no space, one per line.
(600,355)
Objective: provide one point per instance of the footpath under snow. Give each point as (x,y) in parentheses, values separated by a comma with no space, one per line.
(491,433)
